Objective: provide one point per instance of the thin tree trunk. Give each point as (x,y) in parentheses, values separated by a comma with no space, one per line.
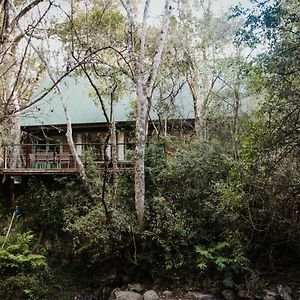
(114,160)
(54,80)
(13,100)
(140,133)
(237,106)
(193,83)
(236,117)
(144,90)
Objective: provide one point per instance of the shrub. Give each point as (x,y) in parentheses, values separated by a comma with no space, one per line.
(22,273)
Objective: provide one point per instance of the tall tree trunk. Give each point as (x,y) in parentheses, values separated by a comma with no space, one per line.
(194,83)
(144,90)
(9,69)
(140,133)
(114,160)
(14,107)
(236,116)
(54,80)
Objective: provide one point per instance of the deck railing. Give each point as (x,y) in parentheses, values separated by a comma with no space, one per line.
(58,156)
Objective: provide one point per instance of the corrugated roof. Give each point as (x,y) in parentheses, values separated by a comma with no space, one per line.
(85,108)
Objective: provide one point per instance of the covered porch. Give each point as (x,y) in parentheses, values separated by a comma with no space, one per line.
(43,159)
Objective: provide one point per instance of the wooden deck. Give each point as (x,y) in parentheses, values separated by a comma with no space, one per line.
(122,166)
(27,171)
(54,159)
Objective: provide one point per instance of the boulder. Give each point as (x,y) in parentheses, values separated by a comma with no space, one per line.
(127,295)
(201,296)
(151,295)
(135,287)
(285,292)
(167,294)
(112,295)
(270,295)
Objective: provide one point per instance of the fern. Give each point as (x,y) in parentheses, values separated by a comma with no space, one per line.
(221,258)
(16,256)
(21,271)
(209,256)
(214,255)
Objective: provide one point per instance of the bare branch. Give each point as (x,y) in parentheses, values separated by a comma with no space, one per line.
(24,11)
(97,93)
(143,38)
(131,47)
(160,47)
(61,78)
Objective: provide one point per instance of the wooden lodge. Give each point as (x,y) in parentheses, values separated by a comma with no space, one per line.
(44,149)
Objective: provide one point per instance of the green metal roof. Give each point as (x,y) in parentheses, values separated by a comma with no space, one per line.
(84,107)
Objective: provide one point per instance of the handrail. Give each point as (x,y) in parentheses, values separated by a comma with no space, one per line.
(56,155)
(58,144)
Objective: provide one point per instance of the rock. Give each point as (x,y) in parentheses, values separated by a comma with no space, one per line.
(151,295)
(135,287)
(284,292)
(167,294)
(112,295)
(201,296)
(127,295)
(270,295)
(228,294)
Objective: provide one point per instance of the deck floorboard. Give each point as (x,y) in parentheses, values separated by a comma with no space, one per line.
(27,171)
(122,166)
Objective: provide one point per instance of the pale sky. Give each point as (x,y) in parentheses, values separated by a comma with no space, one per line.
(218,6)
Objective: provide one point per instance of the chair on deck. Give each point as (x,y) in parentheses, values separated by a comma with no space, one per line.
(41,160)
(51,162)
(63,159)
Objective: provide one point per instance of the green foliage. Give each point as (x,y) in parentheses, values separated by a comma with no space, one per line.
(180,212)
(22,272)
(94,234)
(219,255)
(97,25)
(259,198)
(188,180)
(166,238)
(43,203)
(263,21)
(212,255)
(16,255)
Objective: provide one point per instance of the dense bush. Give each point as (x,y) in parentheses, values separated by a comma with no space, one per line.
(259,202)
(22,272)
(206,213)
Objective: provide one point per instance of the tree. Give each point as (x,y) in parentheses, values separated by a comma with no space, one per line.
(56,83)
(275,72)
(144,85)
(263,186)
(93,39)
(17,67)
(117,59)
(203,44)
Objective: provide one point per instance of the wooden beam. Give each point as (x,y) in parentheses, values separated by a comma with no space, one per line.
(23,171)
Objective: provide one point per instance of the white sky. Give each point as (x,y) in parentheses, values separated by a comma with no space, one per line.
(156,10)
(218,6)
